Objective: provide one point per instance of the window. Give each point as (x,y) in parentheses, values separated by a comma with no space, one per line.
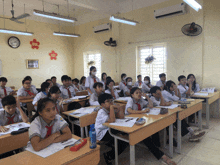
(92,59)
(157,66)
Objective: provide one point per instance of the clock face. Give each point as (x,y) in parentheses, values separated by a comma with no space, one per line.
(13,42)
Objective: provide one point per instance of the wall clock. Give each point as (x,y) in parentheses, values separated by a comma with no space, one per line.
(14,42)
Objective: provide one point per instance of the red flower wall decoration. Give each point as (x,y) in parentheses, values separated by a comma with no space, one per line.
(34,44)
(53,55)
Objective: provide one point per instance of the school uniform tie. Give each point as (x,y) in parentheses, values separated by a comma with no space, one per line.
(149,85)
(69,93)
(5,92)
(29,92)
(10,120)
(57,110)
(139,106)
(140,84)
(124,83)
(94,80)
(49,130)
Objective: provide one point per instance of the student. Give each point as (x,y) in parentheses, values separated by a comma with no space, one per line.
(12,113)
(185,91)
(107,115)
(29,78)
(54,81)
(171,92)
(76,86)
(157,97)
(135,106)
(54,94)
(5,91)
(82,83)
(47,126)
(195,86)
(139,82)
(162,81)
(50,83)
(110,89)
(98,88)
(104,76)
(146,85)
(91,80)
(128,87)
(122,84)
(67,91)
(44,91)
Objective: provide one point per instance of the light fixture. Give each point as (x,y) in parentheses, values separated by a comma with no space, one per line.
(15,32)
(53,16)
(195,5)
(66,34)
(123,20)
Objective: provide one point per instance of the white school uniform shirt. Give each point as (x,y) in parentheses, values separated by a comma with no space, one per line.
(122,85)
(82,87)
(183,90)
(160,83)
(146,88)
(58,108)
(126,89)
(132,104)
(196,89)
(103,84)
(8,91)
(22,92)
(115,92)
(38,126)
(156,102)
(90,82)
(137,84)
(101,118)
(93,100)
(64,92)
(169,96)
(4,120)
(39,96)
(76,89)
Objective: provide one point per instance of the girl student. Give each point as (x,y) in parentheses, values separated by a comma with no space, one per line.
(146,85)
(135,106)
(91,80)
(47,126)
(195,86)
(110,89)
(82,83)
(104,76)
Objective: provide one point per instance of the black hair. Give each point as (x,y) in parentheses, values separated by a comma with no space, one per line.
(97,84)
(44,85)
(108,78)
(82,78)
(148,78)
(69,78)
(133,90)
(41,105)
(48,80)
(23,81)
(168,85)
(181,77)
(138,76)
(28,78)
(76,80)
(122,75)
(91,68)
(8,100)
(162,75)
(194,83)
(103,75)
(107,83)
(3,79)
(128,78)
(64,78)
(53,89)
(53,77)
(154,89)
(103,97)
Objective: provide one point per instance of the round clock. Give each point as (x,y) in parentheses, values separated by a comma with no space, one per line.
(14,42)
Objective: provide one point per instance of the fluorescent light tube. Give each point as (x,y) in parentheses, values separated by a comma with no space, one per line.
(123,20)
(53,16)
(65,34)
(195,5)
(15,32)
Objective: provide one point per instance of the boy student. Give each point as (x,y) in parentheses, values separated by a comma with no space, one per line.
(67,91)
(98,87)
(5,91)
(157,97)
(128,87)
(50,83)
(139,82)
(185,91)
(54,81)
(29,78)
(107,115)
(122,84)
(162,82)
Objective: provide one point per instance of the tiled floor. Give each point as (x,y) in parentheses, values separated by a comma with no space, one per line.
(205,152)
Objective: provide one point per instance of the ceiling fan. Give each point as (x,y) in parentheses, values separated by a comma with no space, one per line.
(16,19)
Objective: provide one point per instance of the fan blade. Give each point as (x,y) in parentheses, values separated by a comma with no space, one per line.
(13,13)
(15,20)
(22,16)
(5,18)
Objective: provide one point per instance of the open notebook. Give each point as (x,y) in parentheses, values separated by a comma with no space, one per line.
(14,127)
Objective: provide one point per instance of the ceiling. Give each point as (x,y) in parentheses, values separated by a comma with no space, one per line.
(84,10)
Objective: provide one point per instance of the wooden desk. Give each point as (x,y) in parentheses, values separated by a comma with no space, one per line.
(82,157)
(84,121)
(137,133)
(30,106)
(195,106)
(120,101)
(212,97)
(80,101)
(12,142)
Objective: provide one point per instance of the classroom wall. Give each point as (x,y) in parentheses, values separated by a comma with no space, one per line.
(14,60)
